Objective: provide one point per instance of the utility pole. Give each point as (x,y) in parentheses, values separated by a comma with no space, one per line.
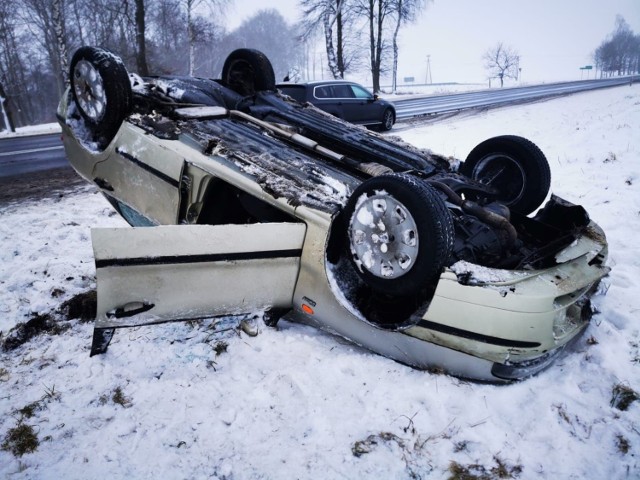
(427,77)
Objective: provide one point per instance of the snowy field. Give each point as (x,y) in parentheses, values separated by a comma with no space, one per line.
(405,92)
(206,400)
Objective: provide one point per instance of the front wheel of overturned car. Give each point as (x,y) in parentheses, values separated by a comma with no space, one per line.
(101,90)
(515,167)
(399,232)
(247,71)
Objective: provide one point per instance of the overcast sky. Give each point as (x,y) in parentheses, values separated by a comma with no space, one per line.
(554,37)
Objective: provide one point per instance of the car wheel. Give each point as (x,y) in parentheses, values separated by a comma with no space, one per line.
(388,119)
(248,71)
(515,167)
(399,232)
(101,90)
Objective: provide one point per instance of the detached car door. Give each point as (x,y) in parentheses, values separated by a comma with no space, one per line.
(151,275)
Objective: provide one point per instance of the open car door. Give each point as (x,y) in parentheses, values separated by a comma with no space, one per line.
(152,275)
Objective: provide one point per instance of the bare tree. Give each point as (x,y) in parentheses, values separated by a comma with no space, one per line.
(59,22)
(39,19)
(276,39)
(106,23)
(338,21)
(191,5)
(17,100)
(37,36)
(327,14)
(377,13)
(210,47)
(619,54)
(6,36)
(312,57)
(502,62)
(141,41)
(405,11)
(167,35)
(7,118)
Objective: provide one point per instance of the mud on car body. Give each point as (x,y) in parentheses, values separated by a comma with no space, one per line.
(251,201)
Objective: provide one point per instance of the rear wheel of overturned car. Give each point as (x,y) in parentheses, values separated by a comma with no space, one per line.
(399,232)
(247,71)
(515,167)
(101,90)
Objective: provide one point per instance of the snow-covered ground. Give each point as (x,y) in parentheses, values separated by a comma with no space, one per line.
(412,91)
(32,130)
(206,400)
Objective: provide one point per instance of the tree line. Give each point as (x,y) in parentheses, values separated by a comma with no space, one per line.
(354,30)
(186,37)
(153,37)
(37,38)
(619,53)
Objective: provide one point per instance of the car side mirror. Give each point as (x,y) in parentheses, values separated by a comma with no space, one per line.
(375,97)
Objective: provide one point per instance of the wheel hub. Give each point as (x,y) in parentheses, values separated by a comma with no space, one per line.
(503,173)
(388,120)
(89,90)
(383,236)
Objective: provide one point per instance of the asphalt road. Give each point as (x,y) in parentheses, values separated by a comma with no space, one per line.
(490,98)
(22,155)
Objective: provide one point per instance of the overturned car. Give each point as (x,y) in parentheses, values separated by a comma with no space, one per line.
(251,201)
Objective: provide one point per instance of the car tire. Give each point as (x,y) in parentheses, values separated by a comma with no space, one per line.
(247,71)
(399,234)
(101,90)
(388,119)
(515,167)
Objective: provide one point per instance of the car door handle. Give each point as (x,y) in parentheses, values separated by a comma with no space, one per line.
(103,184)
(130,309)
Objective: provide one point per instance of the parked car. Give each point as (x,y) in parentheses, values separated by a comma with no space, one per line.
(346,100)
(256,202)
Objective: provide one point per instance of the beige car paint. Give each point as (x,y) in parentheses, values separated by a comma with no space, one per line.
(523,308)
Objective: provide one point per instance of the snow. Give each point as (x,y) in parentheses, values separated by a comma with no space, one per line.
(406,92)
(478,274)
(48,249)
(32,130)
(298,403)
(80,128)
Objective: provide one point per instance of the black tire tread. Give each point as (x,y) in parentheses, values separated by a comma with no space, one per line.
(384,114)
(117,89)
(434,223)
(264,79)
(533,162)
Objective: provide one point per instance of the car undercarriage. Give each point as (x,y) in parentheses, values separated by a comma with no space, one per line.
(424,259)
